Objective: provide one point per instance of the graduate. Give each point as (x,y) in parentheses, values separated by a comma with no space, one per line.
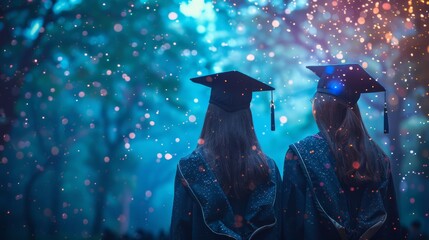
(338,183)
(227,188)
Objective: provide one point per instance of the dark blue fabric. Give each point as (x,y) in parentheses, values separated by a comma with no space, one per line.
(201,210)
(317,207)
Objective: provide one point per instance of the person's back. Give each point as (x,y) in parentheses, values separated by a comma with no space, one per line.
(227,188)
(338,183)
(202,210)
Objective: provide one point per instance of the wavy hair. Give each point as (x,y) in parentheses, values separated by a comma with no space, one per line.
(232,150)
(358,157)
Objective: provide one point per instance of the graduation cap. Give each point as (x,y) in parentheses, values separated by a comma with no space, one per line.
(348,82)
(232,91)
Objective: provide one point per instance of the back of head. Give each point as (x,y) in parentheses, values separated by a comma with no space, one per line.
(232,150)
(357,156)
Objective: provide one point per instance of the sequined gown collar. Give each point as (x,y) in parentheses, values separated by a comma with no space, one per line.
(217,212)
(331,200)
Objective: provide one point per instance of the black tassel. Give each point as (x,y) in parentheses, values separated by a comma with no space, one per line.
(273,124)
(386,118)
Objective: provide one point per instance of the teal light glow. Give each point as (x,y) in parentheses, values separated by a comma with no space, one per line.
(33,31)
(65,5)
(198,9)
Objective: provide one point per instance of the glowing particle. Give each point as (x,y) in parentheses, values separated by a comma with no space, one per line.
(55,151)
(250,57)
(126,77)
(117,27)
(87,182)
(168,156)
(148,194)
(361,20)
(283,119)
(103,92)
(172,16)
(275,23)
(106,159)
(238,221)
(375,10)
(192,118)
(132,135)
(386,6)
(356,165)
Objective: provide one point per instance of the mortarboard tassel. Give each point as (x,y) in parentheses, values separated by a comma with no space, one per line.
(386,120)
(273,124)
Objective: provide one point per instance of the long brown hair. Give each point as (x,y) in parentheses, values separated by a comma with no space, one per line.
(358,157)
(232,150)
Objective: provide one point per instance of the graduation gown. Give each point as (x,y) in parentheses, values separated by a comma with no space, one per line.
(201,210)
(316,206)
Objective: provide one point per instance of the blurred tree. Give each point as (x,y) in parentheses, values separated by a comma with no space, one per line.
(110,67)
(411,92)
(22,31)
(413,60)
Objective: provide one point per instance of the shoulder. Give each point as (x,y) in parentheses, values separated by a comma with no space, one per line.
(292,152)
(271,163)
(191,164)
(291,155)
(189,159)
(310,139)
(194,154)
